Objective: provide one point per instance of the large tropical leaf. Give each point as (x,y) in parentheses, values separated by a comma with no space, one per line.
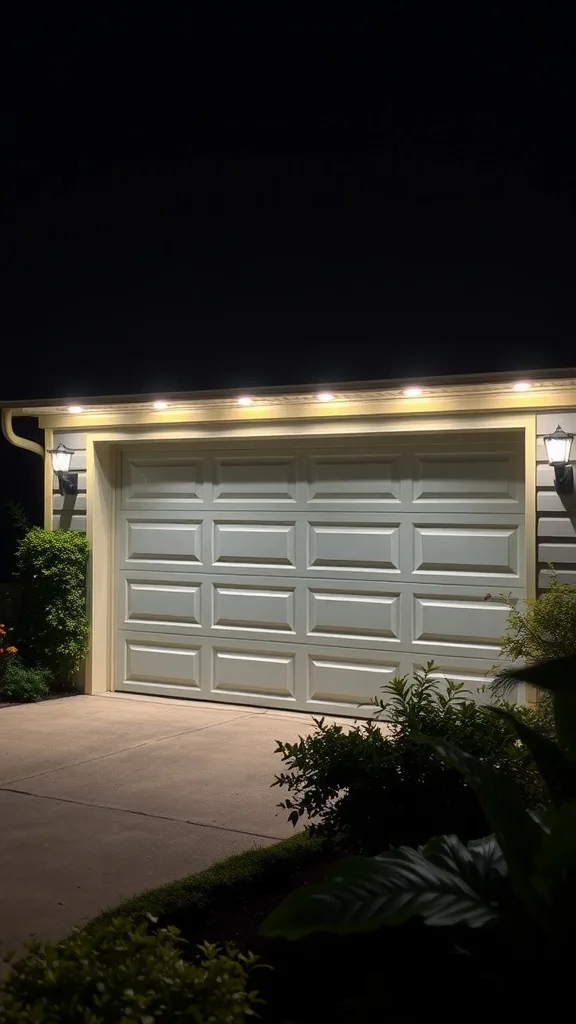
(557,855)
(557,770)
(518,833)
(555,674)
(558,675)
(363,894)
(481,863)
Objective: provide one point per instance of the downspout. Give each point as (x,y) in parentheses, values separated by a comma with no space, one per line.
(15,439)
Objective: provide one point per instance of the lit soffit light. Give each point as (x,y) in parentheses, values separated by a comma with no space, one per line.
(245,400)
(160,405)
(412,392)
(75,408)
(522,385)
(325,396)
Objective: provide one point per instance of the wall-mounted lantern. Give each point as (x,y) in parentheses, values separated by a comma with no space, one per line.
(61,459)
(558,447)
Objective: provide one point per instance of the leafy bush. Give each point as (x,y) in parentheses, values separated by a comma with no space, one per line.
(122,972)
(372,785)
(19,682)
(522,878)
(544,628)
(52,568)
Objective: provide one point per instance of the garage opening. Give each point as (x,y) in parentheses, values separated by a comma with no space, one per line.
(306,575)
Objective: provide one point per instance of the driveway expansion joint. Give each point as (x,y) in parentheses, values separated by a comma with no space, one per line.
(141,814)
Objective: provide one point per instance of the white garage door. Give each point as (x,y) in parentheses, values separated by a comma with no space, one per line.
(307,577)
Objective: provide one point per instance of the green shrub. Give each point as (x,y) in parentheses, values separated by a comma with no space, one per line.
(54,624)
(19,682)
(521,879)
(546,625)
(120,972)
(370,786)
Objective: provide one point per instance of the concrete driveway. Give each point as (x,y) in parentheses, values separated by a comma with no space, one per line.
(101,797)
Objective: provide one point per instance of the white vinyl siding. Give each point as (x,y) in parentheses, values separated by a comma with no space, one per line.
(69,510)
(556,522)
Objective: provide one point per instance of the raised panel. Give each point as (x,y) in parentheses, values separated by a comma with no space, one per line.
(260,673)
(475,623)
(353,614)
(474,675)
(245,608)
(254,545)
(153,664)
(360,547)
(354,480)
(157,604)
(347,679)
(167,542)
(467,479)
(162,480)
(263,481)
(477,551)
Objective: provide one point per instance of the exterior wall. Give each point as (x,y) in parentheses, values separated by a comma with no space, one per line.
(556,513)
(69,510)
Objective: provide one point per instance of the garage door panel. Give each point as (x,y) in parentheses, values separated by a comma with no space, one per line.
(344,613)
(249,607)
(160,540)
(486,550)
(257,544)
(255,480)
(352,480)
(474,675)
(339,679)
(444,622)
(163,480)
(465,479)
(359,547)
(154,602)
(252,671)
(150,663)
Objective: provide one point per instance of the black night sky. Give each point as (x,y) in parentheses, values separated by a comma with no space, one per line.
(279,195)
